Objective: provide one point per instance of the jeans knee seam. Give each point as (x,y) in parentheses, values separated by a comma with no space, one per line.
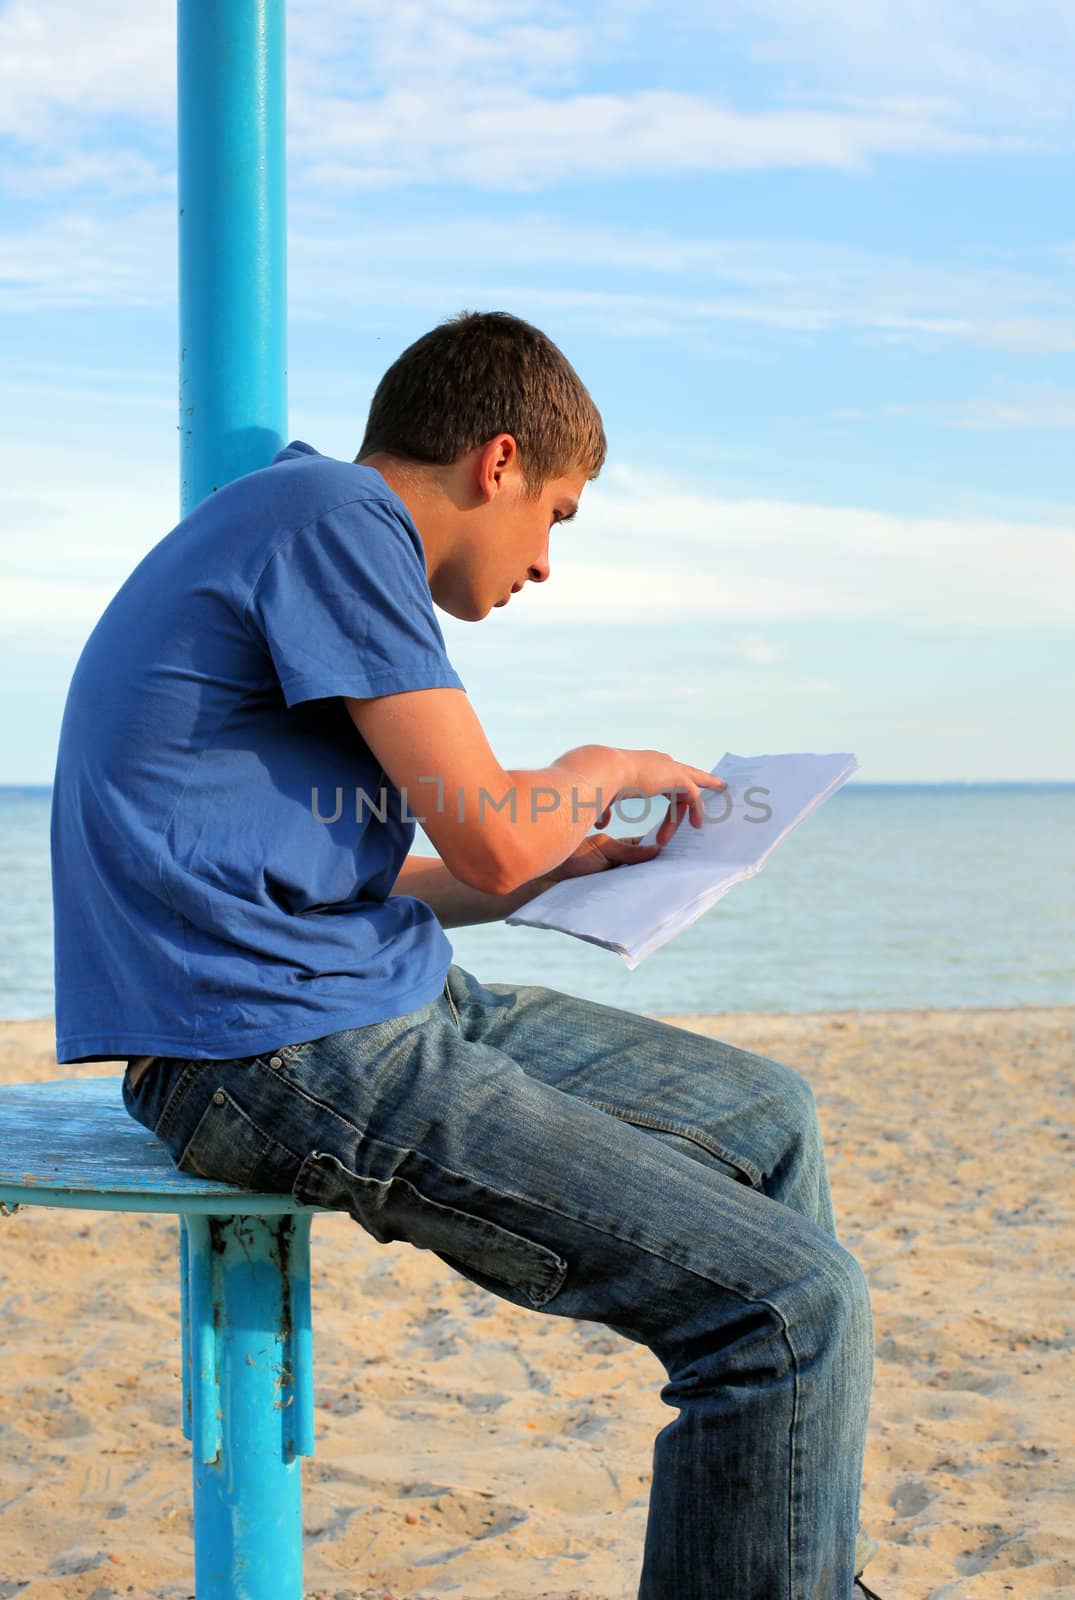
(793,1453)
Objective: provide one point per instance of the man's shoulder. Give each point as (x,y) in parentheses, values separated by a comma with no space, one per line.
(300,509)
(277,509)
(305,479)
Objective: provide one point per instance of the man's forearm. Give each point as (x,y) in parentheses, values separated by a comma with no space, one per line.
(456,904)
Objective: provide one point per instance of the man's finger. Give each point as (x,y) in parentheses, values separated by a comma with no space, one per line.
(632,849)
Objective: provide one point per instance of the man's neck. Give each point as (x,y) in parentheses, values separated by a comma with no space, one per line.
(427,494)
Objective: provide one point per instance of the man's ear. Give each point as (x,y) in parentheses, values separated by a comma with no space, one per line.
(494,458)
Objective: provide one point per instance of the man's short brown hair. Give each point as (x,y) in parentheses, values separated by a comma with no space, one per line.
(479,374)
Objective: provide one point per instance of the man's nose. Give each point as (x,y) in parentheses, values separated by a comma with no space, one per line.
(539,571)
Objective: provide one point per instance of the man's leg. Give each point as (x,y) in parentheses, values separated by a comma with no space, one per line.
(762,1321)
(735,1111)
(710,1099)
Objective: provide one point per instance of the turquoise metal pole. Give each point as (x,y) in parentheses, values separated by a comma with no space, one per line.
(232,241)
(247,1399)
(246,1339)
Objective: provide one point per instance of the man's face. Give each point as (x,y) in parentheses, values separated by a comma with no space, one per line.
(483,536)
(518,550)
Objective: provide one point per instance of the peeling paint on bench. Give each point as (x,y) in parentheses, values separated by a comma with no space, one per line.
(75,1144)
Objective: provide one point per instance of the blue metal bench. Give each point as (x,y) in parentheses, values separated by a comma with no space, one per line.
(245,1297)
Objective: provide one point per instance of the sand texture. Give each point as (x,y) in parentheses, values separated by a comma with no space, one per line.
(466,1448)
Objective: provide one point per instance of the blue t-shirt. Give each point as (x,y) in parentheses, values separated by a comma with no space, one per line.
(202,906)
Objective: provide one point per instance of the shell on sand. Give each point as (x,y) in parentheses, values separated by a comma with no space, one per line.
(468,1448)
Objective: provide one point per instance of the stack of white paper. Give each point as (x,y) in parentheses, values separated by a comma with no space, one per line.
(635,909)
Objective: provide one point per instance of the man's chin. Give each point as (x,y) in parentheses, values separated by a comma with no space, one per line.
(464,610)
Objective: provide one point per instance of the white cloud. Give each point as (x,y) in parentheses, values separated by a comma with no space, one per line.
(133,393)
(63,62)
(82,257)
(57,605)
(75,524)
(666,588)
(718,683)
(644,550)
(1047,408)
(468,93)
(631,282)
(506,139)
(1054,411)
(114,172)
(639,279)
(429,42)
(761,652)
(459,90)
(992,63)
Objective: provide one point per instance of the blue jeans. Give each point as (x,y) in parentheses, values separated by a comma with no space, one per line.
(584,1161)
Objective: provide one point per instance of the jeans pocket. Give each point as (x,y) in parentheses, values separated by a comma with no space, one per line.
(159,1094)
(228,1146)
(394,1209)
(690,1139)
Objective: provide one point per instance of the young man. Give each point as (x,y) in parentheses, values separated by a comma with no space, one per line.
(238,916)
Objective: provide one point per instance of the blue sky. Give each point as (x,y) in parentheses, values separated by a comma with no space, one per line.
(814,260)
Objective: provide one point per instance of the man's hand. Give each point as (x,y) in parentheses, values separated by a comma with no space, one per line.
(599,851)
(457,905)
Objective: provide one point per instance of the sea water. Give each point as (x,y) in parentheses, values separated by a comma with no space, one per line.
(901,895)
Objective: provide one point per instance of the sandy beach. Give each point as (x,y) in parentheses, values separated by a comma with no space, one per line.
(467,1448)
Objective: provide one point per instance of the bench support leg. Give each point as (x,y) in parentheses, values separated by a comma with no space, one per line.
(247,1399)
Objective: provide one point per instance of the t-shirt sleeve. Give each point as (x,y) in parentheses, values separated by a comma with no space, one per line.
(344,608)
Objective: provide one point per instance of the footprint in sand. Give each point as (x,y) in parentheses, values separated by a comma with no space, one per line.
(908,1499)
